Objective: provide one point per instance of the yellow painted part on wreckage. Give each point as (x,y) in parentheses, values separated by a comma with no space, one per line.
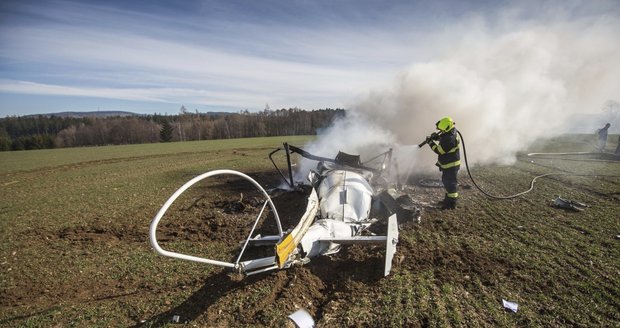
(284,249)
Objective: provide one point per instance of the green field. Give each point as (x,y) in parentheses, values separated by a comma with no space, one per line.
(75,251)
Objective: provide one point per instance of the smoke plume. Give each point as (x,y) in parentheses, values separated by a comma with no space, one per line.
(504,89)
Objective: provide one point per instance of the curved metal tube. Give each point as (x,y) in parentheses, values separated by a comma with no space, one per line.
(164,208)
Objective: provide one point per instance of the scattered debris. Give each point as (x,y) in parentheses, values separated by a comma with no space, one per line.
(430,183)
(569,204)
(408,208)
(302,319)
(512,306)
(402,205)
(175,319)
(618,237)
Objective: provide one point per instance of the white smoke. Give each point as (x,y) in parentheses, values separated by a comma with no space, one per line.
(354,134)
(503,89)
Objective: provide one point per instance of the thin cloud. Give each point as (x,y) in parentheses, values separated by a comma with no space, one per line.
(285,53)
(163,61)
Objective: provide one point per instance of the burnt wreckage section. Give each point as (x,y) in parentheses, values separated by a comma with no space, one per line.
(347,197)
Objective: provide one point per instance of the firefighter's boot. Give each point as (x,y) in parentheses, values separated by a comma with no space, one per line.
(448,203)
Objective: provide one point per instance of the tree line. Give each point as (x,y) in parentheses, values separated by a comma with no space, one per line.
(43,131)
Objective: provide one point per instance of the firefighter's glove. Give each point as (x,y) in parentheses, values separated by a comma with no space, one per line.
(434,136)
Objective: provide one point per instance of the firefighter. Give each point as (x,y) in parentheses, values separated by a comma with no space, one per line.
(446,144)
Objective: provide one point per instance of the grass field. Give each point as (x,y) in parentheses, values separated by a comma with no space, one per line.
(75,252)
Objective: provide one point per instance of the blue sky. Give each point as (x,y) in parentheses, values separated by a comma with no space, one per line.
(154,56)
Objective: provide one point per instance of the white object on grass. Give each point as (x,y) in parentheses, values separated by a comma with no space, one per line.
(512,306)
(302,319)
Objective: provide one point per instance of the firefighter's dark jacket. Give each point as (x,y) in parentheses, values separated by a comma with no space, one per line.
(448,149)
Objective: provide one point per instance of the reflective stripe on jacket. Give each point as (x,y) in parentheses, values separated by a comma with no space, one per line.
(448,150)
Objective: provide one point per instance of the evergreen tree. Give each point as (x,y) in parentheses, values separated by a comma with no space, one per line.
(165,134)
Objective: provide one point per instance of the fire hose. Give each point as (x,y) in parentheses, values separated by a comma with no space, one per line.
(436,136)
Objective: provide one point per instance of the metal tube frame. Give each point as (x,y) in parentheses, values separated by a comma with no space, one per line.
(250,235)
(168,203)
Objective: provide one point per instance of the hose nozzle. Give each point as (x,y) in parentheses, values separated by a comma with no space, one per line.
(433,136)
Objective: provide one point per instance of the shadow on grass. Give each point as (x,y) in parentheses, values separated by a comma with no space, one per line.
(198,303)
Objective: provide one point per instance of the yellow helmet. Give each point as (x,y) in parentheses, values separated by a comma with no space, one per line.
(445,124)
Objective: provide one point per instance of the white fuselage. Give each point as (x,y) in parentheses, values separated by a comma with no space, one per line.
(345,199)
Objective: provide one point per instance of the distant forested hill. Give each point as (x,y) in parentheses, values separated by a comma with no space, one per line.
(73,129)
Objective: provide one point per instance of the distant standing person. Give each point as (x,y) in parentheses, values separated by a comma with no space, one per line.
(602,137)
(618,147)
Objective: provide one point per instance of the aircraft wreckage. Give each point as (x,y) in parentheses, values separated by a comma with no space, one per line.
(346,197)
